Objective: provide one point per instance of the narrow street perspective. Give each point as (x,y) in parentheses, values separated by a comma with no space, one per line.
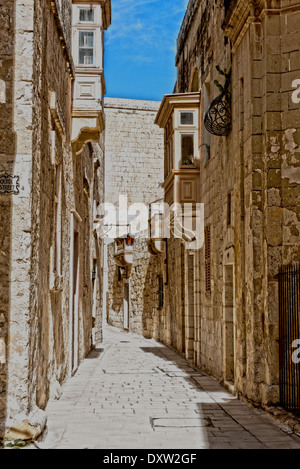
(136,393)
(149,224)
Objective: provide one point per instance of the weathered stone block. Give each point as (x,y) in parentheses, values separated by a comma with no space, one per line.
(274,226)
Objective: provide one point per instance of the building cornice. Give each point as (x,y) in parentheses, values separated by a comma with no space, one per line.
(66,48)
(192,8)
(242,13)
(238,19)
(171,101)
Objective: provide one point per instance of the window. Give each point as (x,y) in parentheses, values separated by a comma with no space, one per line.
(207,260)
(160,292)
(86,47)
(187,118)
(86,14)
(187,149)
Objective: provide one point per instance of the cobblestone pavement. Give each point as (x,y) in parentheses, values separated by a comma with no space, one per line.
(136,393)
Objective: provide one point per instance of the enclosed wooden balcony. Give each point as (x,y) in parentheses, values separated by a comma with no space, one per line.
(179,117)
(89,22)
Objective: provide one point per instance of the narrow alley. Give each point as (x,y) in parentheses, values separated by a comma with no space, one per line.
(136,393)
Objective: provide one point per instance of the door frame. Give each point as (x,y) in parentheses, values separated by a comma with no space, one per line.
(229,262)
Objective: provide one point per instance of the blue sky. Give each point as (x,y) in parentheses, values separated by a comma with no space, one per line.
(140,48)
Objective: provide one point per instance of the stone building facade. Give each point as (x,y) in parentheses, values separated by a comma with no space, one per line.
(52,180)
(221,302)
(133,168)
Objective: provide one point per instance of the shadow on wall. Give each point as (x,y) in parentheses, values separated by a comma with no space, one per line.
(7,163)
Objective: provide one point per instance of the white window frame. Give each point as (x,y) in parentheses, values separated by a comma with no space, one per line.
(97,14)
(187,125)
(187,134)
(85,47)
(179,125)
(86,7)
(88,26)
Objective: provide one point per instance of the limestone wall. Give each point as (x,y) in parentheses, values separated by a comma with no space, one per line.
(39,347)
(133,167)
(7,162)
(133,148)
(49,293)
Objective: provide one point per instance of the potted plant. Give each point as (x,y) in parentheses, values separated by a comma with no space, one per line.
(189,160)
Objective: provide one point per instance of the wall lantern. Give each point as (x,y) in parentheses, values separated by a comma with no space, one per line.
(130,240)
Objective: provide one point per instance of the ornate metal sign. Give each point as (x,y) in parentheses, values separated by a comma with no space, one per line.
(218,117)
(9,184)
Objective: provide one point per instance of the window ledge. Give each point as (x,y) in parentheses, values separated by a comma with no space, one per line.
(187,166)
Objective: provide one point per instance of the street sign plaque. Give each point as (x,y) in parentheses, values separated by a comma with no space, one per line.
(9,184)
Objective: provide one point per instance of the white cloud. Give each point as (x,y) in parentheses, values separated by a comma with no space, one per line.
(144,26)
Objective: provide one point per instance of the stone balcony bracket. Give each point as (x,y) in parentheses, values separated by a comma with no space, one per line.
(156,243)
(123,253)
(156,246)
(87,126)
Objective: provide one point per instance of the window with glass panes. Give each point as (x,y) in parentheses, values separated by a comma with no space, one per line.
(86,47)
(86,14)
(187,149)
(187,118)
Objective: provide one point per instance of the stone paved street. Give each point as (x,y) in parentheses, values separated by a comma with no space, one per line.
(136,393)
